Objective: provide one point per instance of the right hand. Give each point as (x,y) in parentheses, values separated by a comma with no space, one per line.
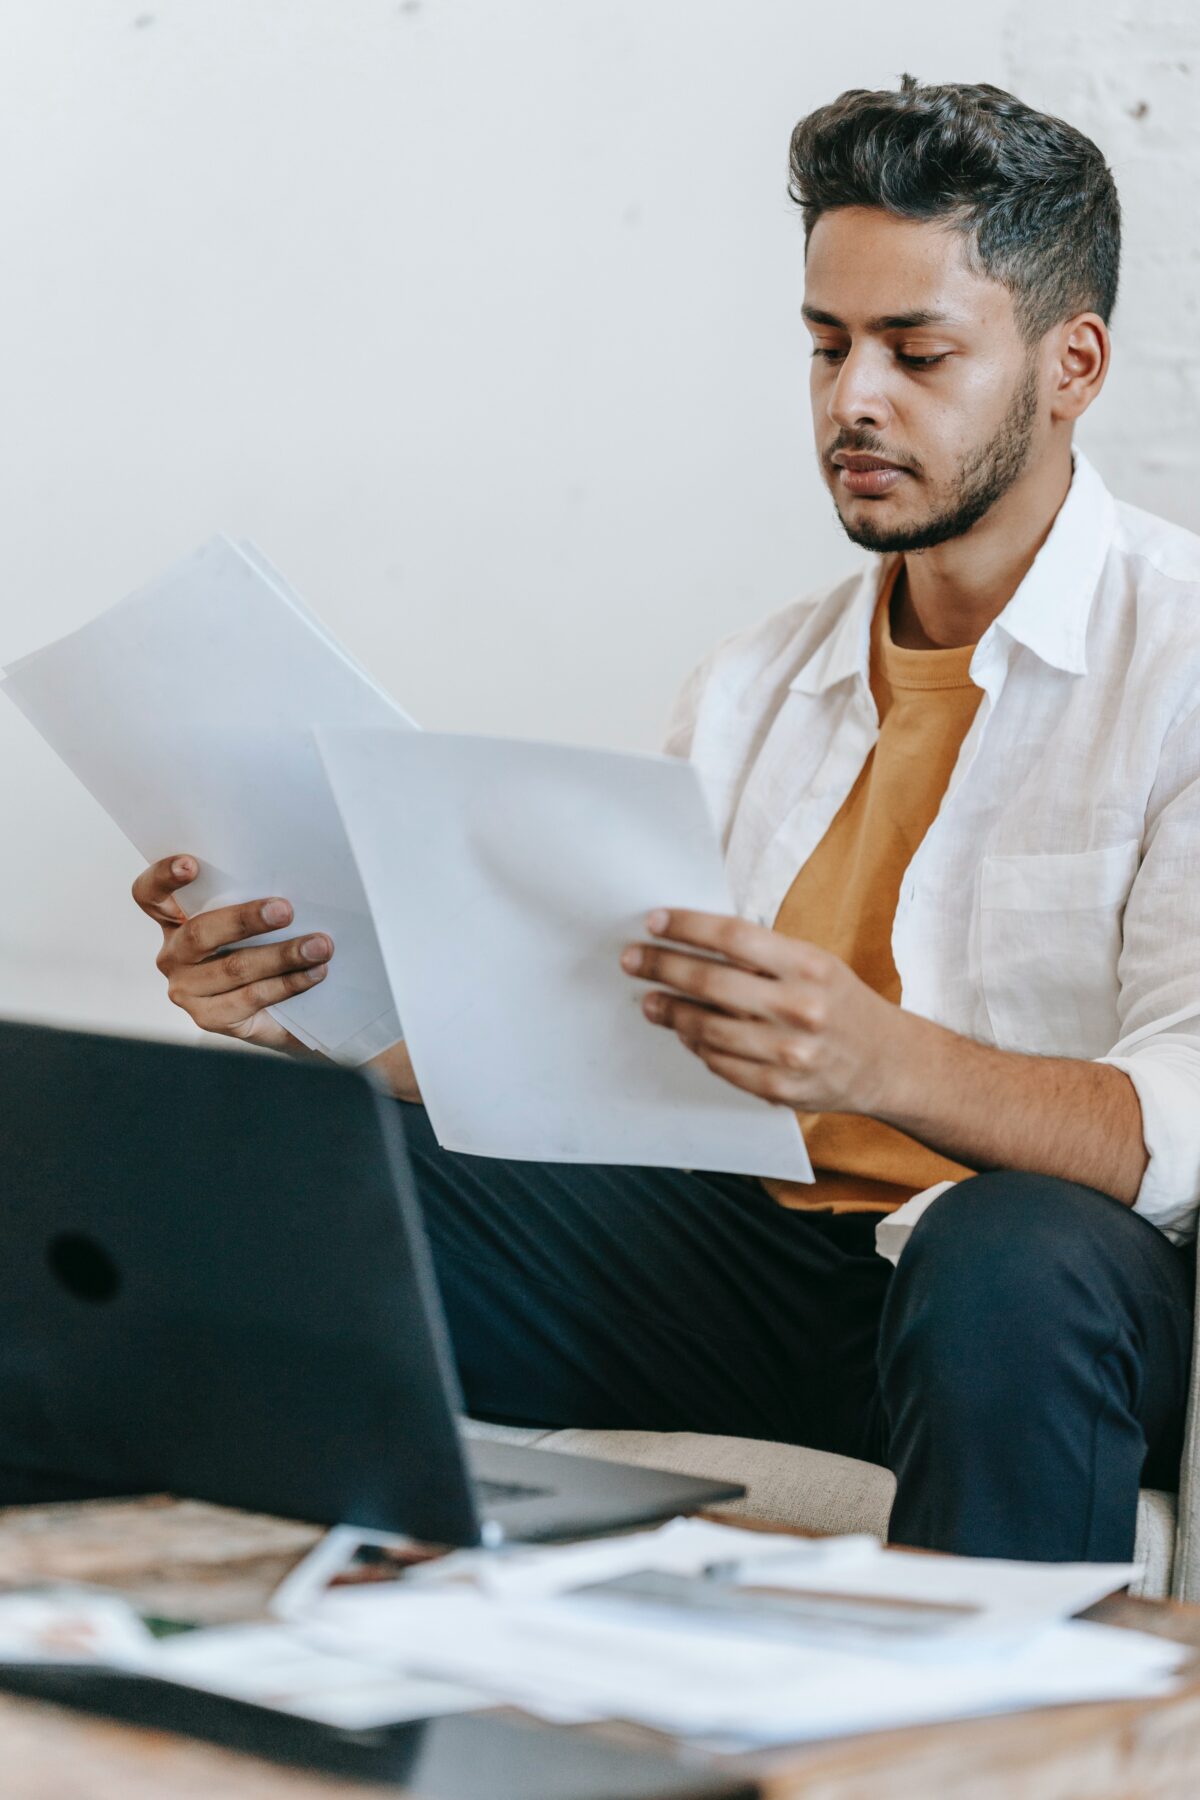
(228,990)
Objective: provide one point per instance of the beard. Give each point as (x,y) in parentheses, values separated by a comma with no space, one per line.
(985,477)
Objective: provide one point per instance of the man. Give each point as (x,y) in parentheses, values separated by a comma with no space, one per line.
(961,802)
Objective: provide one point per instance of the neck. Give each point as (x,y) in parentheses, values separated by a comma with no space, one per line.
(949,595)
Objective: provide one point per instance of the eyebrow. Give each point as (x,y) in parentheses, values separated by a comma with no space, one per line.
(909,321)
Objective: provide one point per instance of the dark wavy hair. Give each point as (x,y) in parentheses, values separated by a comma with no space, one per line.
(1034,196)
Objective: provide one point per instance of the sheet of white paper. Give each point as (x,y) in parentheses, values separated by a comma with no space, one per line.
(268,1665)
(504,878)
(1006,1593)
(331,1561)
(187,711)
(574,1659)
(265,567)
(71,1625)
(681,1547)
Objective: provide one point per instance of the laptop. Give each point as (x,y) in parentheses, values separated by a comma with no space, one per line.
(215,1282)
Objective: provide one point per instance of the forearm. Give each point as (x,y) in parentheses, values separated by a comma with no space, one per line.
(791,1022)
(996,1109)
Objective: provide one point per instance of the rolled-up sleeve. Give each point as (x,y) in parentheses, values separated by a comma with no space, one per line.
(681,726)
(1159,973)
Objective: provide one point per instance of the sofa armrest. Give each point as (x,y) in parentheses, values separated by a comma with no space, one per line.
(1185,1584)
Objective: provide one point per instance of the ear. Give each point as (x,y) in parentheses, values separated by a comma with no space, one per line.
(1080,351)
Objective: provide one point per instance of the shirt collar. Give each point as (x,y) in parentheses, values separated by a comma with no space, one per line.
(1049,612)
(846,650)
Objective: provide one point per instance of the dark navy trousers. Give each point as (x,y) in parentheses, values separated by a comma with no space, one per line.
(1023,1371)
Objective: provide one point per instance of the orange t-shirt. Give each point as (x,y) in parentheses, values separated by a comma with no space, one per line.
(845,898)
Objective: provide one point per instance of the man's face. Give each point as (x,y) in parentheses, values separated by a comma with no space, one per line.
(925,394)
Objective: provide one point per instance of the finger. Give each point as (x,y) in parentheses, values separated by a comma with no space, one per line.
(752,1040)
(714,983)
(223,1011)
(156,887)
(738,941)
(212,931)
(225,973)
(775,1085)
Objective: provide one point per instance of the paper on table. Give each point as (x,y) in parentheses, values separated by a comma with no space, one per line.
(1001,1593)
(186,711)
(1006,1593)
(270,1666)
(571,1659)
(265,1664)
(345,1556)
(504,878)
(64,1624)
(680,1547)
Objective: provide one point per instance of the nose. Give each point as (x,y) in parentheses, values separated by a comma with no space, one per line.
(858,398)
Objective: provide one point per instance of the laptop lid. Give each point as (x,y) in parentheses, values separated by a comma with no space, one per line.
(214,1281)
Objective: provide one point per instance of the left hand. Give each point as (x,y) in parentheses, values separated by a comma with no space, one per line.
(776,1016)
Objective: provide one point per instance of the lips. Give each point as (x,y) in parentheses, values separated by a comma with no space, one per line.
(868,477)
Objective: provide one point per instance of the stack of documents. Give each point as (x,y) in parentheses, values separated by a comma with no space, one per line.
(272,1666)
(267,1665)
(501,879)
(736,1639)
(729,1639)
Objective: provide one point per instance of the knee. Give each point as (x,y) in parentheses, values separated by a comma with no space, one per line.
(1001,1230)
(991,1271)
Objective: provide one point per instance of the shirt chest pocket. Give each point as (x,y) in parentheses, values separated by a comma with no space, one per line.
(1050,940)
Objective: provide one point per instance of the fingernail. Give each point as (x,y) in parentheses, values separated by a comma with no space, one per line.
(658,921)
(183,866)
(631,959)
(319,974)
(653,1006)
(276,912)
(315,949)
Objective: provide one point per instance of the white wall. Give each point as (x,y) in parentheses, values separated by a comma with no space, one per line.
(1128,73)
(481,316)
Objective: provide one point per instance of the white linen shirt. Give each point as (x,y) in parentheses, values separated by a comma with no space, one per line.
(1053,906)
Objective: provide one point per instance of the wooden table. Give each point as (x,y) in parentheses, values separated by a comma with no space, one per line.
(206,1563)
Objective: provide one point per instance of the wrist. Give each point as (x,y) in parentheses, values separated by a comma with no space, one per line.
(902,1065)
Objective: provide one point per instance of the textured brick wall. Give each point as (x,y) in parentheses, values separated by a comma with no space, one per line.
(1129,75)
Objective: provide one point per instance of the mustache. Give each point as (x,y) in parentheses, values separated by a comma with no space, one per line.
(866,443)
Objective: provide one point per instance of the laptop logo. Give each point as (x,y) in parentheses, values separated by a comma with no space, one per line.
(83,1267)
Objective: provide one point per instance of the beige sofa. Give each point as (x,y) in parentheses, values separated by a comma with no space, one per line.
(820,1492)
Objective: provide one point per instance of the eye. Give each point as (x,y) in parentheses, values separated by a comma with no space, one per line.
(922,362)
(827,354)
